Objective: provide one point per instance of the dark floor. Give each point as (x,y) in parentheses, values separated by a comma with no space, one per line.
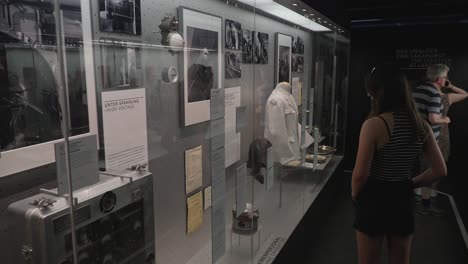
(437,239)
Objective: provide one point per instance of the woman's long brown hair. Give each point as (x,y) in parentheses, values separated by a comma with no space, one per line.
(390,92)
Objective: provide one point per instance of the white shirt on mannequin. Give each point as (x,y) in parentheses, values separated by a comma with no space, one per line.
(281,124)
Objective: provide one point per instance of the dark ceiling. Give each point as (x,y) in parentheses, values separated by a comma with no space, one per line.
(351,13)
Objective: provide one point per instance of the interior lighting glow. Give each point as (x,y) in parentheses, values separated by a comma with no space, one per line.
(277,10)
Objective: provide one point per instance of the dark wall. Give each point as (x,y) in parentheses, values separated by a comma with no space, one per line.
(413,48)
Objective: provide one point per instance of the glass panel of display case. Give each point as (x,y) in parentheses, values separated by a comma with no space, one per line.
(194,124)
(325,85)
(161,61)
(47,98)
(281,125)
(342,57)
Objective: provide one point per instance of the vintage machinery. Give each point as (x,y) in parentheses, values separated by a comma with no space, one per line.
(171,38)
(114,224)
(247,222)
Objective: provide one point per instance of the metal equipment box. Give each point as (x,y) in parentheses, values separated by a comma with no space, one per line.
(114,224)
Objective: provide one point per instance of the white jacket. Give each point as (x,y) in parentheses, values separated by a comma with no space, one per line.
(281,124)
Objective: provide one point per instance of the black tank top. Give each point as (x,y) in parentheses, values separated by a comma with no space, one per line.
(395,160)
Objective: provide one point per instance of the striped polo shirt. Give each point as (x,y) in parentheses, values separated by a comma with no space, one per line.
(428,100)
(395,160)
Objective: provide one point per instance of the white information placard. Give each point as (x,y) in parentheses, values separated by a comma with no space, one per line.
(125,133)
(232,137)
(207,198)
(193,169)
(241,186)
(297,90)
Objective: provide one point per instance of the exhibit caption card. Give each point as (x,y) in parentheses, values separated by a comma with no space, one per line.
(125,133)
(297,90)
(193,169)
(207,196)
(232,137)
(83,161)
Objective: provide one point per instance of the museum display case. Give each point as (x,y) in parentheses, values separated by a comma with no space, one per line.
(165,131)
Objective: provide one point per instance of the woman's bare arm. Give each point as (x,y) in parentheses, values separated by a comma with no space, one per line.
(434,157)
(366,149)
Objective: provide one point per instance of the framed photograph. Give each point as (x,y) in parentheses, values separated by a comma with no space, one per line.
(30,142)
(202,62)
(233,37)
(297,63)
(283,58)
(120,16)
(247,46)
(233,63)
(297,46)
(260,50)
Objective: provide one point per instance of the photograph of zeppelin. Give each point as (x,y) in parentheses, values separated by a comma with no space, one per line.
(202,65)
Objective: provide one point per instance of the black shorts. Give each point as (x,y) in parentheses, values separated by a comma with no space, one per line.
(384,207)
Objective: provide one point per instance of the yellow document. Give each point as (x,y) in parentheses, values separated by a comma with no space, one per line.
(193,169)
(194,212)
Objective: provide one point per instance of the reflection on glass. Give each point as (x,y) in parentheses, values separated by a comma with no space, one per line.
(121,64)
(120,16)
(28,64)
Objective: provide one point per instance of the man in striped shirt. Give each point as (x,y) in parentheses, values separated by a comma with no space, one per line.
(428,102)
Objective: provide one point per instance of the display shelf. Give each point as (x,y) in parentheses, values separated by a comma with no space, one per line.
(281,210)
(284,205)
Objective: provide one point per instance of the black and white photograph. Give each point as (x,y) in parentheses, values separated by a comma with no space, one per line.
(284,66)
(247,46)
(24,22)
(283,58)
(202,63)
(297,63)
(202,69)
(260,51)
(233,65)
(233,38)
(297,45)
(120,16)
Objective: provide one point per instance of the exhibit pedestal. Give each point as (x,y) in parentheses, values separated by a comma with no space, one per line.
(246,236)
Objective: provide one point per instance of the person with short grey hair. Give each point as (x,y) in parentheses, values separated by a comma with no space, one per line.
(428,101)
(436,71)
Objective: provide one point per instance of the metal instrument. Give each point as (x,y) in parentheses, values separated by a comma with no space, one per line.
(114,224)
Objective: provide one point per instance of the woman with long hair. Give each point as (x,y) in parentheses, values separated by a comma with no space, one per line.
(390,142)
